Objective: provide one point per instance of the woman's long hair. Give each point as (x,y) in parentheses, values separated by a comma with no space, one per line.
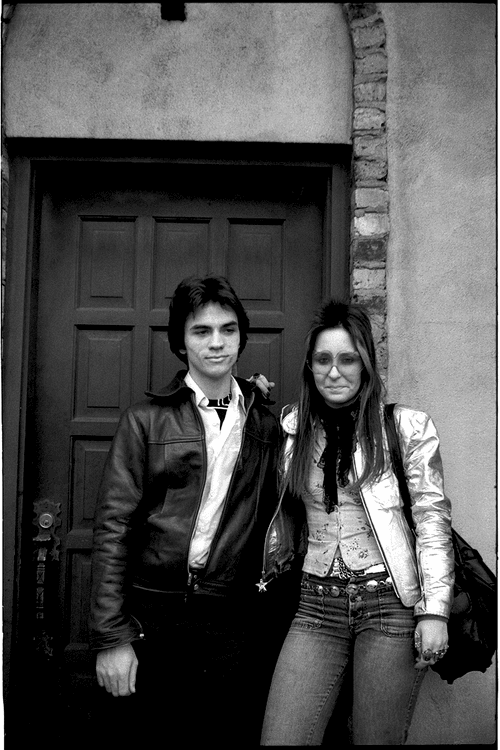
(353,319)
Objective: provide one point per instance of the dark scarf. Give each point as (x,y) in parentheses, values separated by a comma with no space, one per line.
(336,460)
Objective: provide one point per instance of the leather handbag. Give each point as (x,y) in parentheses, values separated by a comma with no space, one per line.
(472,626)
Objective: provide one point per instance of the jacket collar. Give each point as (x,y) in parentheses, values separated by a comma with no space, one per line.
(177,386)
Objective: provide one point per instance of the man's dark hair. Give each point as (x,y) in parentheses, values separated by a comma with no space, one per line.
(191,294)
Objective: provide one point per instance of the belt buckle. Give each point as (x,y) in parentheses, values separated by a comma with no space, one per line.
(352,588)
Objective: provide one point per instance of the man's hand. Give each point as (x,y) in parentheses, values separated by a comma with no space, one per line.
(116,669)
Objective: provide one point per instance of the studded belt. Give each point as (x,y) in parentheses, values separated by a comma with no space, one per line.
(350,589)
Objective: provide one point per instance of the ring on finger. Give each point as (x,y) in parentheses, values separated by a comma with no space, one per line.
(439,654)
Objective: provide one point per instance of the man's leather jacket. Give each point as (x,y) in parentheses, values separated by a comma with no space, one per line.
(149,500)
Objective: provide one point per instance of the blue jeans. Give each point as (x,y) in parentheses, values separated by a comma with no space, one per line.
(334,631)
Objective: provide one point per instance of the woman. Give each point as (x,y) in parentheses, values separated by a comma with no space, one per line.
(374,602)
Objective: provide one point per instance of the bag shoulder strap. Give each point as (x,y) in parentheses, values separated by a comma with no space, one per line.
(397,462)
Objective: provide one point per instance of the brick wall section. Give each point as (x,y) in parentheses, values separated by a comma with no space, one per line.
(370,198)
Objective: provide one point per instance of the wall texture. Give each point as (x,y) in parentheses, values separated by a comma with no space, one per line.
(233,72)
(441,284)
(283,72)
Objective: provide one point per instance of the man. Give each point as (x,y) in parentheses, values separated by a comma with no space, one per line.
(187,495)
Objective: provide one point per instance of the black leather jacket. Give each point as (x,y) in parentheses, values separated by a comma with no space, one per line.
(148,503)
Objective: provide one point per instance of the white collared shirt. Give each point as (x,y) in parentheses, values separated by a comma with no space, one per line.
(223,443)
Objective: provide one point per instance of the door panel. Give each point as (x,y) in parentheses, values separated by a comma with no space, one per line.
(115,240)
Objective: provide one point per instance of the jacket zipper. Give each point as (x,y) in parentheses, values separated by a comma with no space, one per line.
(141,631)
(262,583)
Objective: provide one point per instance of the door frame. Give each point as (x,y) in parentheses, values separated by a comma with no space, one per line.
(26,157)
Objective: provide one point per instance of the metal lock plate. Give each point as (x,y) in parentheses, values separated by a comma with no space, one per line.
(46,520)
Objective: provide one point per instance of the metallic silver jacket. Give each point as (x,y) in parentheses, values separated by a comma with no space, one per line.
(421,568)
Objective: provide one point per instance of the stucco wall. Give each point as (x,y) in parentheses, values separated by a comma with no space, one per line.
(441,284)
(231,72)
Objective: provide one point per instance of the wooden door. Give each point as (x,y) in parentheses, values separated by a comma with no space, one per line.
(115,239)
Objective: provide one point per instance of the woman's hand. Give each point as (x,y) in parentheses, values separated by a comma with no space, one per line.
(431,641)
